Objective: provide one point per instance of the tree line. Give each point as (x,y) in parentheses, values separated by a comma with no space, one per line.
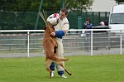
(21,14)
(33,5)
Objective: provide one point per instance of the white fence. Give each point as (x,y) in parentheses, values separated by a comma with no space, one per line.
(20,43)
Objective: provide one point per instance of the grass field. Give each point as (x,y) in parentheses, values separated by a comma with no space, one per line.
(106,68)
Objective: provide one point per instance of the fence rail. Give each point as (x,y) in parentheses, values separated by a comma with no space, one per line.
(18,43)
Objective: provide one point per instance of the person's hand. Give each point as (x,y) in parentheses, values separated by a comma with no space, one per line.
(52,34)
(87,22)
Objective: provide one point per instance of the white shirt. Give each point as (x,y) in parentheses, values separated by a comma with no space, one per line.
(61,24)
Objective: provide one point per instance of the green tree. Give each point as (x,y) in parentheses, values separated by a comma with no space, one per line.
(28,5)
(26,19)
(50,5)
(6,5)
(78,4)
(23,5)
(118,1)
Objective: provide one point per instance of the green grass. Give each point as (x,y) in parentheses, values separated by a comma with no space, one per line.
(106,68)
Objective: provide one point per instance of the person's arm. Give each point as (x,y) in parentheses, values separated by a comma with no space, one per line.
(66,26)
(84,25)
(58,34)
(61,33)
(89,26)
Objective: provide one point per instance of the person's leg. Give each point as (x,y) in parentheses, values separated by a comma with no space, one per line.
(52,67)
(59,53)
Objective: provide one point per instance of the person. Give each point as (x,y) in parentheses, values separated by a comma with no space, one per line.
(102,23)
(87,25)
(61,25)
(106,22)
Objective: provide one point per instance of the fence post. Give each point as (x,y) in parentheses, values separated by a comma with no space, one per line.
(40,7)
(28,43)
(91,43)
(99,16)
(93,18)
(120,41)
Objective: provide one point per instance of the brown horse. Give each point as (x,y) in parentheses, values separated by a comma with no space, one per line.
(50,45)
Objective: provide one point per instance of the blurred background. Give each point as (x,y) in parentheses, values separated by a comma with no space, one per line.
(24,14)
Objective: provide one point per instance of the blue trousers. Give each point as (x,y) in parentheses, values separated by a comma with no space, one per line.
(52,67)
